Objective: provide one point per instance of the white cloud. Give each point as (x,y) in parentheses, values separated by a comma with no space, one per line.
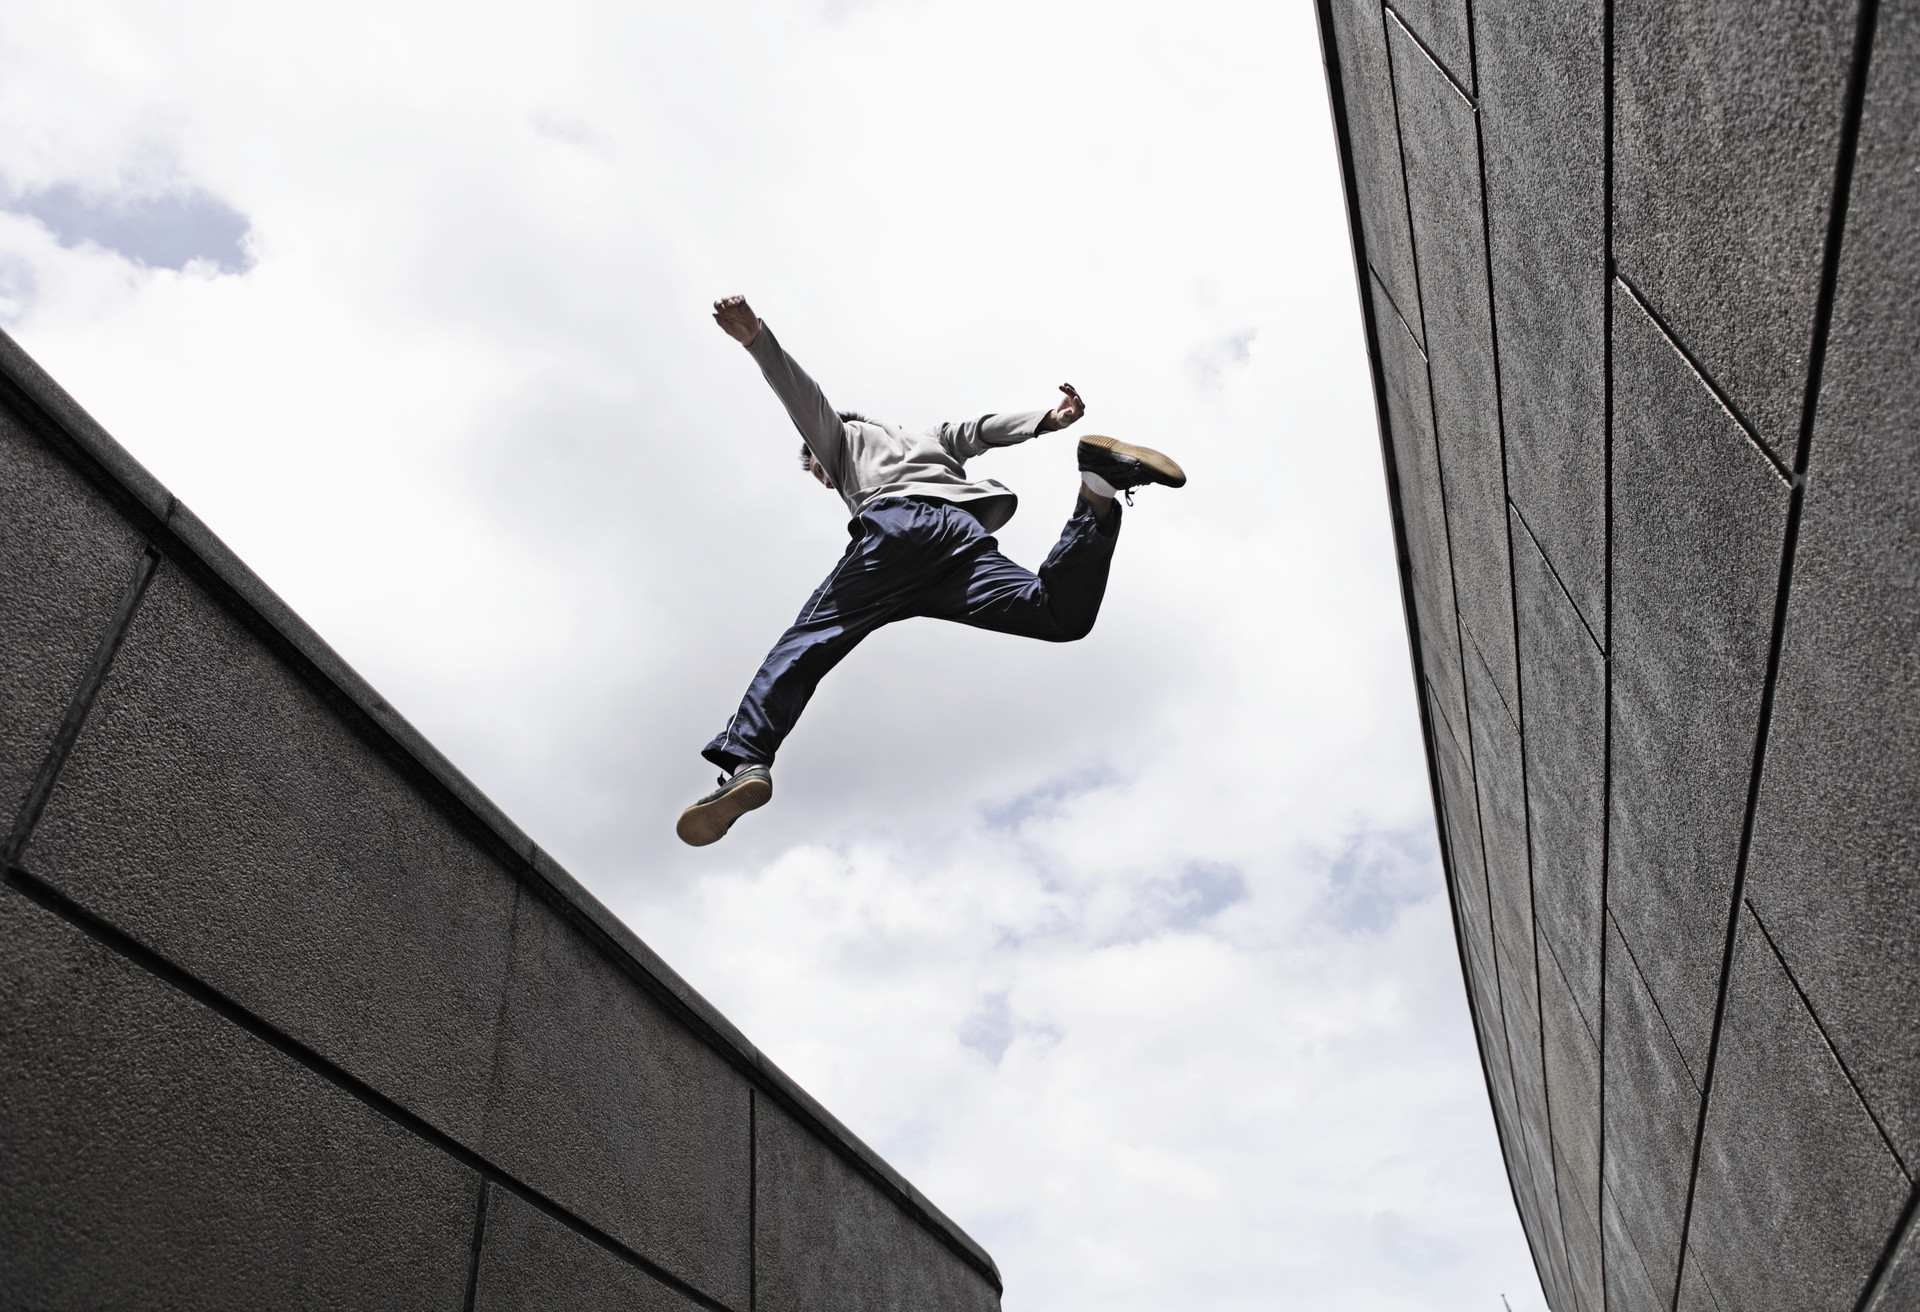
(1132,952)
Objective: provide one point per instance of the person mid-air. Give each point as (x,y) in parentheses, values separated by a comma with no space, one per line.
(922,545)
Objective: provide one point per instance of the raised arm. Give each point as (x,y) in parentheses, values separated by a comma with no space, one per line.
(806,404)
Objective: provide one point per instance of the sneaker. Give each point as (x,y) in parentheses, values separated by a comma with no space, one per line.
(707,820)
(1126,466)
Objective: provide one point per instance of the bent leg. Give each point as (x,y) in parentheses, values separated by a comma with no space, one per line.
(1058,604)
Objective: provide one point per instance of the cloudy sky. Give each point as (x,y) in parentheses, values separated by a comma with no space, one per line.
(1134,953)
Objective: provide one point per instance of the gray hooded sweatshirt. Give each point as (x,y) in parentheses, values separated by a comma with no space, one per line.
(867,461)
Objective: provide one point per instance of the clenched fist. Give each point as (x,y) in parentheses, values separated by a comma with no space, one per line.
(737,317)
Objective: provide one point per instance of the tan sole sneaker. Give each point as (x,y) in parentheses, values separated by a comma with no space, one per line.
(1125,465)
(708,819)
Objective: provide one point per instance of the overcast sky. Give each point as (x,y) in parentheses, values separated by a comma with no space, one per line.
(1134,953)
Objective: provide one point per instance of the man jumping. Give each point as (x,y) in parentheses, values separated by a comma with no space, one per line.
(921,546)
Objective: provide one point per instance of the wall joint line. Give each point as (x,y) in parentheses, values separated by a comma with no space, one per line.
(41,790)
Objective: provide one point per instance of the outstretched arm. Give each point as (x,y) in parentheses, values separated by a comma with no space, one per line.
(969,439)
(806,404)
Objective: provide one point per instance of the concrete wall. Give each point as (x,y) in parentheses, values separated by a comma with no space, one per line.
(291,1016)
(1641,281)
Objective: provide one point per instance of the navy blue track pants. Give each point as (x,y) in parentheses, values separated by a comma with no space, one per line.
(917,557)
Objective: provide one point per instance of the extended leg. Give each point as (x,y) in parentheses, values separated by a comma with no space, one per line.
(839,614)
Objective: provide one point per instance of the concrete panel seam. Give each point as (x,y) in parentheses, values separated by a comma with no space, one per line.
(753,1198)
(145,958)
(1606,597)
(1902,1229)
(1398,313)
(500,1011)
(78,705)
(1843,176)
(1821,1028)
(1413,247)
(1487,665)
(1654,1001)
(1701,1273)
(1427,50)
(628,954)
(1540,547)
(1452,736)
(479,1244)
(1473,52)
(845,1144)
(1606,1195)
(1714,389)
(1851,115)
(1567,984)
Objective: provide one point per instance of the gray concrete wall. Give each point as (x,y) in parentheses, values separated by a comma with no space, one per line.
(1641,282)
(291,1016)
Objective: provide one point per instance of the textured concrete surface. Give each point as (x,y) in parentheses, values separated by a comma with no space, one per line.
(155,1155)
(825,1239)
(1367,77)
(1564,677)
(1539,1216)
(1669,311)
(667,1174)
(1462,816)
(1450,242)
(1652,1106)
(1503,822)
(292,1016)
(1496,743)
(529,1262)
(1497,765)
(216,809)
(65,560)
(1899,1286)
(1543,131)
(1411,409)
(1727,122)
(1834,849)
(1696,1291)
(1699,522)
(1797,1190)
(1572,1057)
(1581,1236)
(1628,1286)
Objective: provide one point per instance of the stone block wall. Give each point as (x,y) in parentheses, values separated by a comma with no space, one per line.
(1641,282)
(291,1016)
